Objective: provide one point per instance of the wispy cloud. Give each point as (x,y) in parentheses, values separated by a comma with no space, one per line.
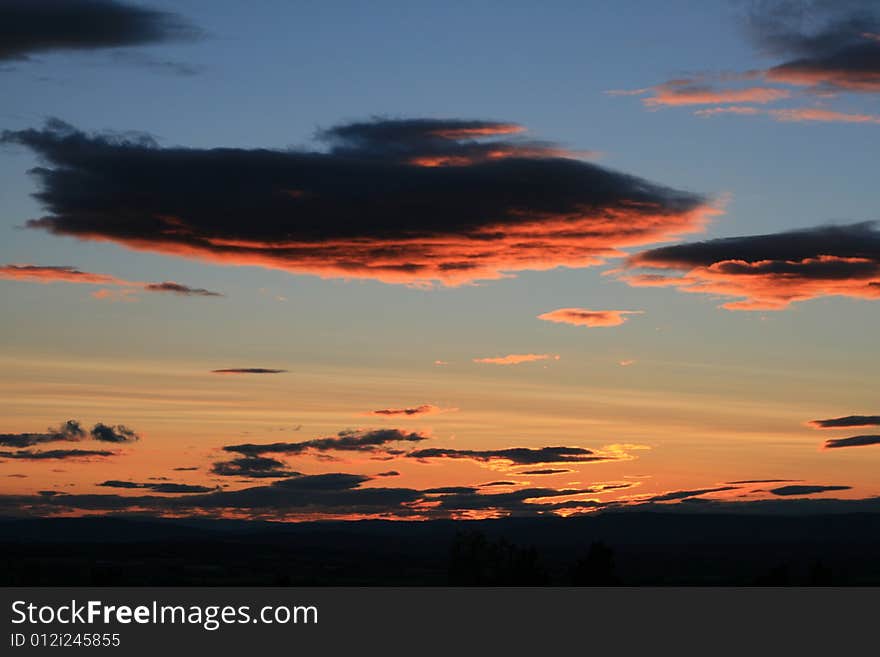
(247,370)
(515,359)
(33,455)
(676,95)
(160,487)
(515,455)
(412,411)
(66,274)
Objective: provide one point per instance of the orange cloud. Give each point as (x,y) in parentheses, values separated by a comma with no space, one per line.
(516,359)
(585,317)
(673,95)
(736,109)
(490,153)
(489,253)
(45,274)
(769,272)
(486,130)
(765,288)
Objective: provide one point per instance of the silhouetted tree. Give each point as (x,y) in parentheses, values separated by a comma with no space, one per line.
(476,561)
(596,568)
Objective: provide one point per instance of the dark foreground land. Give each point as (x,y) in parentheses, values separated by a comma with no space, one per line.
(635,548)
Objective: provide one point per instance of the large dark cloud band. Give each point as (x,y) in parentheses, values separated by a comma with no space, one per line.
(401,201)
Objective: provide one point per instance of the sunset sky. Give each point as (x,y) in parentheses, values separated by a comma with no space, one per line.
(308,260)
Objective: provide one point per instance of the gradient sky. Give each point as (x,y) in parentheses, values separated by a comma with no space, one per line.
(682,395)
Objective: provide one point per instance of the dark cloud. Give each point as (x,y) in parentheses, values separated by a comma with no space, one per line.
(329,481)
(68,431)
(179,289)
(768,272)
(805,490)
(349,440)
(828,44)
(388,473)
(369,207)
(113,434)
(498,483)
(685,494)
(32,455)
(763,481)
(247,370)
(157,487)
(334,493)
(348,495)
(821,46)
(423,409)
(847,421)
(331,494)
(852,441)
(37,26)
(515,455)
(514,502)
(544,471)
(253,467)
(186,469)
(450,490)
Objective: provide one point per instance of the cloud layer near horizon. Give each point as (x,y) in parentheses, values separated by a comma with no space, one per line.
(415,201)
